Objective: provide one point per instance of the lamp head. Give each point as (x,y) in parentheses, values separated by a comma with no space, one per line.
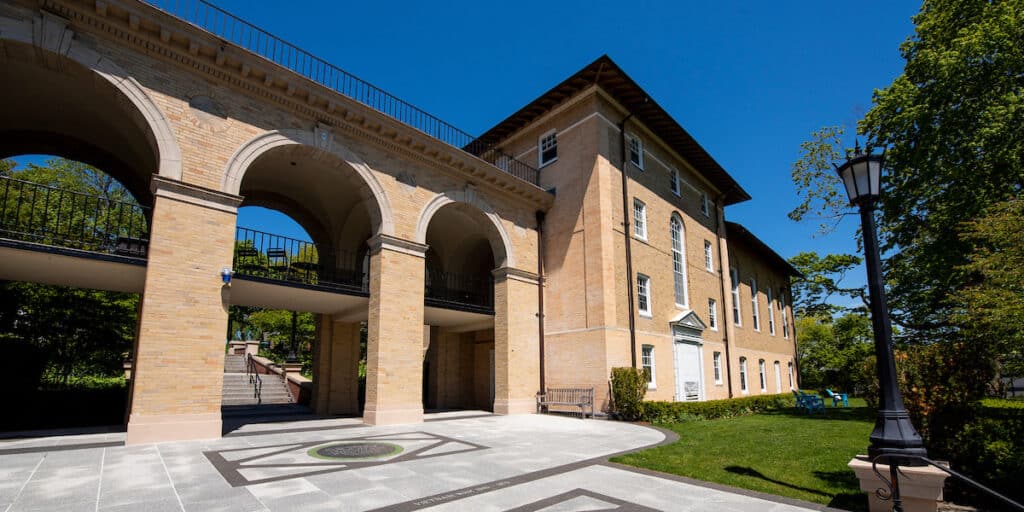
(861,175)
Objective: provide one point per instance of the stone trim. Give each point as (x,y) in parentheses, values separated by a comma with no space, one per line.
(194,194)
(515,274)
(396,244)
(158,428)
(502,248)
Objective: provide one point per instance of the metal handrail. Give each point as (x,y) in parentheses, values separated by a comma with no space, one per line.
(271,257)
(893,483)
(48,215)
(254,378)
(449,288)
(237,31)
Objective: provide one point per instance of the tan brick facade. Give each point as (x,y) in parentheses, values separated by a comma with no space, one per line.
(214,127)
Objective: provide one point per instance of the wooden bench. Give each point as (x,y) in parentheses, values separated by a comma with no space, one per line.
(571,397)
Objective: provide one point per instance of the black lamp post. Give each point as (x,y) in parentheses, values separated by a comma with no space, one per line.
(894,436)
(292,357)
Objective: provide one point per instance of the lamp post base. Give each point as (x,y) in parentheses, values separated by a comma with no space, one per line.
(894,435)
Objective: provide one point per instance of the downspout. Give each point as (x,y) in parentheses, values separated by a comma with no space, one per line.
(726,315)
(796,351)
(629,253)
(540,293)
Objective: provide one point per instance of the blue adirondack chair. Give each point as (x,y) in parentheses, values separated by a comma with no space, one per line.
(838,397)
(808,402)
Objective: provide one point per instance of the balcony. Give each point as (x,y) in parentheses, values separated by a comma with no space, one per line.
(471,293)
(271,258)
(52,219)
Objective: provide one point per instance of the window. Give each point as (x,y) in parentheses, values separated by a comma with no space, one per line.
(643,294)
(764,377)
(705,206)
(673,181)
(734,275)
(709,257)
(548,151)
(781,309)
(718,367)
(753,304)
(743,374)
(713,314)
(778,377)
(678,260)
(791,375)
(636,151)
(771,312)
(639,219)
(647,360)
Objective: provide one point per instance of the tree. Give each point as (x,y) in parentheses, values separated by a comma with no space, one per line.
(832,351)
(821,282)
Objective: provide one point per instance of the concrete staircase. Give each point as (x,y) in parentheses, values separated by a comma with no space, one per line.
(238,391)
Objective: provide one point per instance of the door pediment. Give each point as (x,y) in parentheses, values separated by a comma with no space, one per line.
(688,326)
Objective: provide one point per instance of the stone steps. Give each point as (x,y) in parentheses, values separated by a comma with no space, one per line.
(237,391)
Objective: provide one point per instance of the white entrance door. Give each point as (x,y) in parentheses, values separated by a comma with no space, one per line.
(689,373)
(492,379)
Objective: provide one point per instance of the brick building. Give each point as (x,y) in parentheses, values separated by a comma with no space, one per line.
(484,268)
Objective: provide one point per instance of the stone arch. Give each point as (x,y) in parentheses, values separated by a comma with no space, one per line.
(54,43)
(501,244)
(319,138)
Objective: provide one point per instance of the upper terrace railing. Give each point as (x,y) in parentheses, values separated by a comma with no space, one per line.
(51,216)
(233,29)
(269,257)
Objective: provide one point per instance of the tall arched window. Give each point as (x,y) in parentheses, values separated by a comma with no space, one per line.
(678,260)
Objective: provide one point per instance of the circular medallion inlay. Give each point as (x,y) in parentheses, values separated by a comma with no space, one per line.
(355,450)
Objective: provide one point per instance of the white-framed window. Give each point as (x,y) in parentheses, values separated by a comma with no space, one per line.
(636,151)
(678,260)
(782,311)
(713,314)
(705,204)
(709,256)
(743,375)
(763,373)
(778,377)
(547,148)
(718,367)
(639,219)
(673,181)
(647,360)
(643,294)
(734,276)
(791,375)
(771,312)
(753,304)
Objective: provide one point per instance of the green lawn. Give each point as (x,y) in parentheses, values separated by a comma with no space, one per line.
(785,453)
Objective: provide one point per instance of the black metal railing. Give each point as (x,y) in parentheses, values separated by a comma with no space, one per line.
(891,489)
(254,378)
(47,215)
(460,291)
(266,256)
(237,31)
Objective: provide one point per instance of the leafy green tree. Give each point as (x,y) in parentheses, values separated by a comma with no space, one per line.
(832,351)
(821,283)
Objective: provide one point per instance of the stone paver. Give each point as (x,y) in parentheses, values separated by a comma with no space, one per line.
(451,462)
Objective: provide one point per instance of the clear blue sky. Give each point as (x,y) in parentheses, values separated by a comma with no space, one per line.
(749,80)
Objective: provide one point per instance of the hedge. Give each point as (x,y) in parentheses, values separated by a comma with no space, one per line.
(676,412)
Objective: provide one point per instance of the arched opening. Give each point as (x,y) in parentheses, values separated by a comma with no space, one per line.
(458,371)
(299,284)
(72,247)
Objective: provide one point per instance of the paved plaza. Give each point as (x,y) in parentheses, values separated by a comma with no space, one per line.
(454,461)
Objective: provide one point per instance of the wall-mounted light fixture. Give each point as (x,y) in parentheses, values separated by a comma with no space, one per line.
(225,275)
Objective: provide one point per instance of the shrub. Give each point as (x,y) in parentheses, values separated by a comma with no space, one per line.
(629,385)
(989,447)
(678,412)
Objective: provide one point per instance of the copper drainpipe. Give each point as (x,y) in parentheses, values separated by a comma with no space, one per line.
(726,315)
(629,253)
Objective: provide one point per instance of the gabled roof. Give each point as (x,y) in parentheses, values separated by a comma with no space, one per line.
(734,231)
(688,319)
(606,74)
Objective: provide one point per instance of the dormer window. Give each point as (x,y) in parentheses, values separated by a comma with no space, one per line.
(673,181)
(548,148)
